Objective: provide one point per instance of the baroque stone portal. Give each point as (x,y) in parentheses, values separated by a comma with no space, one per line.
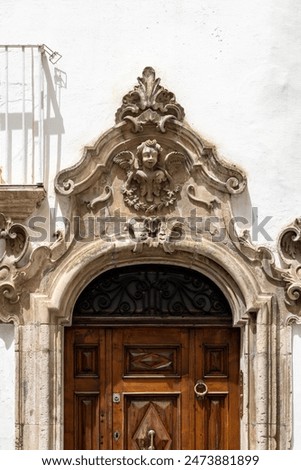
(150,190)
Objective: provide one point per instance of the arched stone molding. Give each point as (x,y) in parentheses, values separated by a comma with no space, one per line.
(227,272)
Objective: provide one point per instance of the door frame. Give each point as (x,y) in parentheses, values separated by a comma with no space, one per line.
(266,404)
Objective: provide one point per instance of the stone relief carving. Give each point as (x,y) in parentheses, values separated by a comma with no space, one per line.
(15,239)
(104,197)
(209,205)
(290,241)
(20,262)
(153,111)
(149,102)
(289,246)
(13,248)
(154,232)
(285,271)
(150,186)
(164,166)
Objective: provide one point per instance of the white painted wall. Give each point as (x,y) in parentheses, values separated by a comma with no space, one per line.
(233,64)
(7,387)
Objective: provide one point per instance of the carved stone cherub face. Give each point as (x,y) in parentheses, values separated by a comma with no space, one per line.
(148,154)
(149,158)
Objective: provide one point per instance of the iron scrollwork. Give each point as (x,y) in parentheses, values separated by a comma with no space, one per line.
(152,291)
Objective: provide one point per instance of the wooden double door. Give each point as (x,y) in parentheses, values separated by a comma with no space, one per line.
(152,388)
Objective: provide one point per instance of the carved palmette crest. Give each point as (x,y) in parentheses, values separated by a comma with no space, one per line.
(149,102)
(149,185)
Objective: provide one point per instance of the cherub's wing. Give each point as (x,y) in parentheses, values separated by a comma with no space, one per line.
(175,162)
(126,160)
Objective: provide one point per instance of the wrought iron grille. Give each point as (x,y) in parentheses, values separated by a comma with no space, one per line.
(152,291)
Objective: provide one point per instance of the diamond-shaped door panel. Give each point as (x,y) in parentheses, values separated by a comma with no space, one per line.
(154,360)
(150,360)
(151,422)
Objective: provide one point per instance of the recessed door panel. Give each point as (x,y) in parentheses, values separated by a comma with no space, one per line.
(151,421)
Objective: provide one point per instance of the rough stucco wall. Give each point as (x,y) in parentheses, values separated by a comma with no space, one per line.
(7,387)
(234,65)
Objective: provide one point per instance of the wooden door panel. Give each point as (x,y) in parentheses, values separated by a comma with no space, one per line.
(86,414)
(217,365)
(215,422)
(150,352)
(153,372)
(151,421)
(84,387)
(152,360)
(86,360)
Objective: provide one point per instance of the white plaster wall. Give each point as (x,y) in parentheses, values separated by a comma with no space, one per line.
(7,387)
(233,64)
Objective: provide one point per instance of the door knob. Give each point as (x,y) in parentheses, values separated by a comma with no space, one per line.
(200,389)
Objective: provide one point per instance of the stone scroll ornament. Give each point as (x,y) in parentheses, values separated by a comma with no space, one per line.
(149,185)
(21,263)
(149,102)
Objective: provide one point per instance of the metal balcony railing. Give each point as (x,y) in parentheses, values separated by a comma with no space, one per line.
(26,107)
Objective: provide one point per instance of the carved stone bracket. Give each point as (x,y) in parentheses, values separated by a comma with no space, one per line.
(220,174)
(289,243)
(286,272)
(289,247)
(13,247)
(14,240)
(21,265)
